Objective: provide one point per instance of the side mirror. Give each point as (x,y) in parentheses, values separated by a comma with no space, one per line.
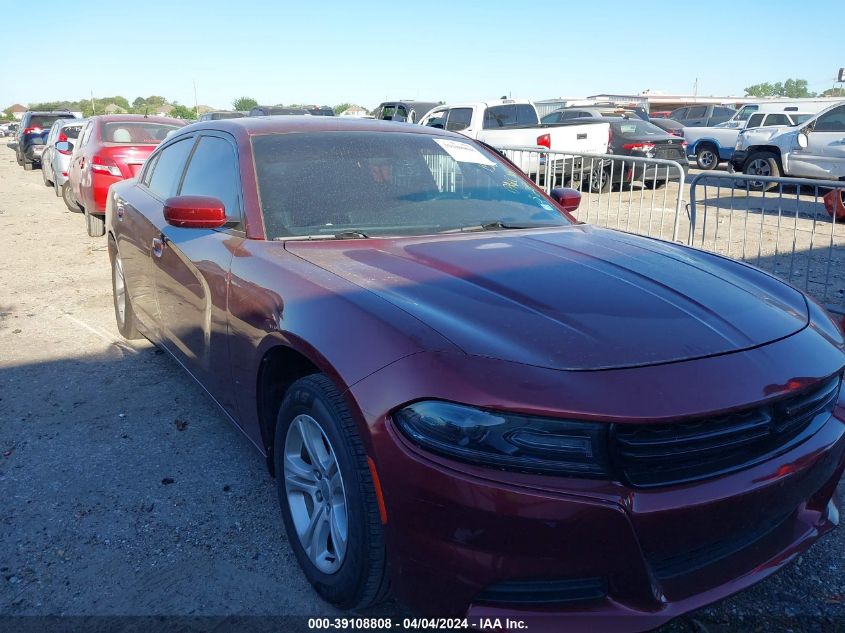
(64,146)
(195,212)
(569,199)
(802,139)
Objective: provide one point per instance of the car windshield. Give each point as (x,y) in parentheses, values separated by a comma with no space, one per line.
(136,132)
(369,184)
(636,127)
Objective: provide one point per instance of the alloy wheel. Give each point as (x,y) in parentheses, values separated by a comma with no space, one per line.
(315,494)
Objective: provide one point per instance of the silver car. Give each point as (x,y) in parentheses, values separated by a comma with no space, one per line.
(55,163)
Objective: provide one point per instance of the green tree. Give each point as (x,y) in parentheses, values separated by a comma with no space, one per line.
(834,92)
(182,112)
(340,107)
(139,103)
(244,103)
(792,88)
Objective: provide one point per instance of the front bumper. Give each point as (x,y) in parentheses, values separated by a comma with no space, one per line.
(457,533)
(737,161)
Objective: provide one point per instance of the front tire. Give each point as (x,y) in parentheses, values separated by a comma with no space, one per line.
(47,183)
(124,314)
(327,497)
(762,164)
(707,157)
(95,224)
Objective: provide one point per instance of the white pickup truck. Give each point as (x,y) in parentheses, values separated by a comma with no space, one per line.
(813,149)
(504,123)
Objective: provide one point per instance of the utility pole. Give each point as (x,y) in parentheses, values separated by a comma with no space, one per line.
(695,89)
(196,103)
(93,107)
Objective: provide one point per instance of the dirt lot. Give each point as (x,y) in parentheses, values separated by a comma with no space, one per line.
(125,492)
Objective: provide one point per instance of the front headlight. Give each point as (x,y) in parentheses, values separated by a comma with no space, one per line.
(739,141)
(506,440)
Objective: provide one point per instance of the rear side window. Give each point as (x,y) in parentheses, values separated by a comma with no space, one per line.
(164,176)
(680,113)
(509,115)
(213,171)
(71,131)
(777,119)
(459,119)
(696,112)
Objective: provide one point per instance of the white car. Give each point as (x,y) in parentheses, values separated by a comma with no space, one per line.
(504,123)
(814,149)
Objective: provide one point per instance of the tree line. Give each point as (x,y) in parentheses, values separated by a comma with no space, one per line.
(145,105)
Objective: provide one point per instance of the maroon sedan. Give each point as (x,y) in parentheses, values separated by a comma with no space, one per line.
(108,149)
(466,396)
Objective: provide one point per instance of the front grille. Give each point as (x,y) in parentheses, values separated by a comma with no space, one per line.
(668,567)
(650,455)
(544,591)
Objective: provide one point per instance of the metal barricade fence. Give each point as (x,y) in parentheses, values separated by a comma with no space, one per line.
(638,195)
(778,224)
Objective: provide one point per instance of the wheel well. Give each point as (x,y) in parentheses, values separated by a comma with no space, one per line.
(756,149)
(280,368)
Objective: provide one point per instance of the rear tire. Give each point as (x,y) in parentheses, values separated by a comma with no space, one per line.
(96,224)
(599,180)
(124,315)
(354,574)
(70,201)
(761,164)
(19,157)
(654,184)
(27,165)
(707,157)
(47,183)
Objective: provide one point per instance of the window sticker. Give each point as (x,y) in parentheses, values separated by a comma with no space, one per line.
(463,152)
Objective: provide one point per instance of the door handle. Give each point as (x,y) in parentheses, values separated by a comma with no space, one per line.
(158,246)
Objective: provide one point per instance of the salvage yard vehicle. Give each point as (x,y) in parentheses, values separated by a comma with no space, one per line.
(32,135)
(712,145)
(505,123)
(641,139)
(813,149)
(54,162)
(404,111)
(698,115)
(466,396)
(110,148)
(277,111)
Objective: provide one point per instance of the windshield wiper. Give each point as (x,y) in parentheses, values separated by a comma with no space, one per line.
(343,235)
(497,225)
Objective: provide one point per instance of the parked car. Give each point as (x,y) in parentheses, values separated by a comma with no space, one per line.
(109,149)
(32,135)
(320,111)
(668,125)
(220,114)
(54,162)
(514,123)
(812,149)
(641,139)
(702,115)
(712,145)
(660,114)
(466,397)
(589,112)
(404,111)
(277,110)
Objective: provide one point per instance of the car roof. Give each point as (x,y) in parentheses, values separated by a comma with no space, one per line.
(260,125)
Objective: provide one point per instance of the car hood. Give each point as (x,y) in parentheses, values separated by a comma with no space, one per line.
(575,298)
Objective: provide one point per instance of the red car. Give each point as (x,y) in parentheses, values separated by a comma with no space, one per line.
(466,396)
(110,148)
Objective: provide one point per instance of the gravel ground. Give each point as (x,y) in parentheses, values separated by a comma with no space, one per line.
(125,492)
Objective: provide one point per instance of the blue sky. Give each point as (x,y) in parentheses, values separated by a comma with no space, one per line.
(328,52)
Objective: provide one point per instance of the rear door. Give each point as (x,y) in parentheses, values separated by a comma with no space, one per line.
(696,116)
(192,269)
(76,172)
